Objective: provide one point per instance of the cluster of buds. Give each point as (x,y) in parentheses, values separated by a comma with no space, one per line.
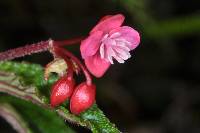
(81,96)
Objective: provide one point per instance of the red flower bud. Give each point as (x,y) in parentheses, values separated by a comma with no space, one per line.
(82,98)
(62,90)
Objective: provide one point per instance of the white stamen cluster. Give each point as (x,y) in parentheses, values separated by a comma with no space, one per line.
(114,46)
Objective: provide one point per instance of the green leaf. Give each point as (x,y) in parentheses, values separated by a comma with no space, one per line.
(26,81)
(100,124)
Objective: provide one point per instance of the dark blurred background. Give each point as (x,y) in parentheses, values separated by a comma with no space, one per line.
(158,89)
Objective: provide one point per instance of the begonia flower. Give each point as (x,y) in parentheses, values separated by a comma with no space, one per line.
(108,41)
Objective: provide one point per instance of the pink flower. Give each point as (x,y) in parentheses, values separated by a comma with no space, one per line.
(108,40)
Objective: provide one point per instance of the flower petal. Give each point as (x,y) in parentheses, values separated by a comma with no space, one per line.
(108,23)
(96,65)
(90,45)
(130,35)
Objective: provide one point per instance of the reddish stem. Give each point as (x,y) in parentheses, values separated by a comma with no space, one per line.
(35,48)
(68,42)
(26,50)
(70,69)
(70,55)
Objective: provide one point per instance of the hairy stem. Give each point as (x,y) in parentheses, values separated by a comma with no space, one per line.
(35,48)
(26,50)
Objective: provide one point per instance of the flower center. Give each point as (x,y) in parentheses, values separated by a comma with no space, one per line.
(114,46)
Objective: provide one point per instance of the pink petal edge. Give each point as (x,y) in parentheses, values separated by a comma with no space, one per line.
(130,35)
(109,23)
(96,65)
(91,44)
